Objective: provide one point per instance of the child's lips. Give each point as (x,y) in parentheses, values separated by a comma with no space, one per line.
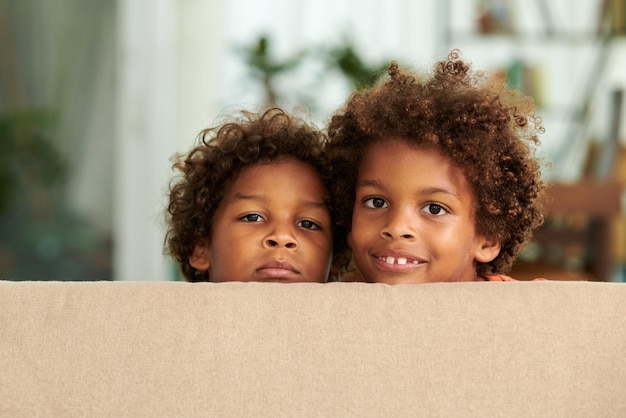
(277,269)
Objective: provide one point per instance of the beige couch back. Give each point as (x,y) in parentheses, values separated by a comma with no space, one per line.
(147,349)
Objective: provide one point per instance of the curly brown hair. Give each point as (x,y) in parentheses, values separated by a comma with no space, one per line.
(222,152)
(485,128)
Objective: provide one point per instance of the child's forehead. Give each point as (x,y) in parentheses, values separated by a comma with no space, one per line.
(402,148)
(287,173)
(408,162)
(276,164)
(280,165)
(287,187)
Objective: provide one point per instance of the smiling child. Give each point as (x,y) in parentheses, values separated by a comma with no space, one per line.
(435,178)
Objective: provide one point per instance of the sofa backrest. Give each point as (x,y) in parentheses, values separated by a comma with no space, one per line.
(171,349)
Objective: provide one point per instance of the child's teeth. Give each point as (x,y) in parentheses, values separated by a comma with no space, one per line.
(400,260)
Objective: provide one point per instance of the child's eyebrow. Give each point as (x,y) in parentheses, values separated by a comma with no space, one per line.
(428,190)
(263,198)
(434,190)
(241,196)
(370,183)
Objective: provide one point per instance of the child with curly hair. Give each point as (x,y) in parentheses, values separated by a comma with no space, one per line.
(435,179)
(250,204)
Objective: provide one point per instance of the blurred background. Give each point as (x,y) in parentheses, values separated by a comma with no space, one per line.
(96,96)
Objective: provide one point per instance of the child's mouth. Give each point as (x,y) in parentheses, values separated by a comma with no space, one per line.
(399,260)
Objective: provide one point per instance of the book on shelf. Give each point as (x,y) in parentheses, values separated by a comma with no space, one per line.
(612,18)
(525,77)
(494,17)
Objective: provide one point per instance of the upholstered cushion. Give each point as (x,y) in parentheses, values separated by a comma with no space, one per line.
(165,349)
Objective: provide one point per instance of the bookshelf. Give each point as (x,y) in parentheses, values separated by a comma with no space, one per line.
(567,56)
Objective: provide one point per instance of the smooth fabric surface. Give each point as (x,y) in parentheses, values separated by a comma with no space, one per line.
(159,349)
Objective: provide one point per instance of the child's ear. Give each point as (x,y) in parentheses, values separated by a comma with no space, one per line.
(200,257)
(487,250)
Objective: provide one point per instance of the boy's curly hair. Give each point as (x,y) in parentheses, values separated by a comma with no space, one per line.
(217,160)
(486,129)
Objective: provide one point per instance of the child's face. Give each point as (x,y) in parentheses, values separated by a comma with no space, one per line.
(413,219)
(272,225)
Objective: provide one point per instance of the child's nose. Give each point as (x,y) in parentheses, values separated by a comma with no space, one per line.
(400,225)
(281,237)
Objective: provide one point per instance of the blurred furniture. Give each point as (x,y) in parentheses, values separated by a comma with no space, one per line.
(174,349)
(576,242)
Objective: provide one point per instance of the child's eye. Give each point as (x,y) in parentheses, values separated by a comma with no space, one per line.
(435,209)
(375,203)
(252,217)
(307,224)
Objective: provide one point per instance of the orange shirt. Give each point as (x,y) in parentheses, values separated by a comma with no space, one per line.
(500,278)
(495,278)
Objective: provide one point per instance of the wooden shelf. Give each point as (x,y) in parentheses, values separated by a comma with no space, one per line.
(594,205)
